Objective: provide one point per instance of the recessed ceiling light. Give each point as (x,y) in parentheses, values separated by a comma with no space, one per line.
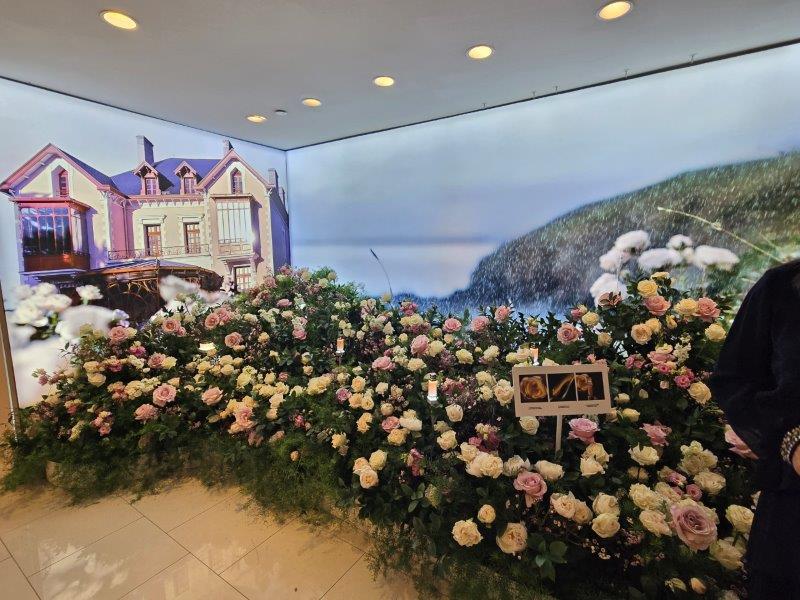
(312,102)
(480,52)
(280,112)
(256,118)
(615,10)
(118,19)
(383,81)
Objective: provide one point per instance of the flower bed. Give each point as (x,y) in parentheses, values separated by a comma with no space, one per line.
(646,501)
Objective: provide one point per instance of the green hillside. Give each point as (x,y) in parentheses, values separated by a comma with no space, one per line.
(557,262)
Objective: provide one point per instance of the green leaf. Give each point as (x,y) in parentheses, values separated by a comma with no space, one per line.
(413,505)
(558,548)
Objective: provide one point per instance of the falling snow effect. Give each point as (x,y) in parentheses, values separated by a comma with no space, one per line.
(555,265)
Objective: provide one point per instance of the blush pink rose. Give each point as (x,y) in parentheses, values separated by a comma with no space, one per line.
(211,321)
(284,303)
(118,334)
(390,423)
(211,396)
(451,325)
(233,339)
(578,312)
(737,445)
(146,412)
(657,433)
(479,324)
(683,380)
(657,305)
(299,334)
(676,478)
(707,309)
(532,484)
(171,325)
(694,492)
(582,429)
(156,361)
(568,333)
(383,363)
(693,526)
(658,358)
(635,361)
(343,395)
(164,394)
(419,345)
(502,313)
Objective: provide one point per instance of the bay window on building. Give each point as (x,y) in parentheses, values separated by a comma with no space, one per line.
(234,226)
(53,235)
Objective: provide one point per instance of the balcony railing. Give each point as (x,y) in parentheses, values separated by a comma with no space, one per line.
(159,252)
(235,248)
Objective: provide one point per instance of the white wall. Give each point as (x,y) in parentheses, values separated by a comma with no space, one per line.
(100,136)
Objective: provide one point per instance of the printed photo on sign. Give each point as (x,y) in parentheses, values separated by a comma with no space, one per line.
(561,390)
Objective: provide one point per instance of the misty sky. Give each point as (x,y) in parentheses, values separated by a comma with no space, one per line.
(432,199)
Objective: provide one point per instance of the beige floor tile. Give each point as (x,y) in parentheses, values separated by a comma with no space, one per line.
(179,502)
(110,567)
(3,551)
(50,538)
(224,533)
(13,585)
(298,562)
(350,533)
(25,505)
(358,584)
(187,579)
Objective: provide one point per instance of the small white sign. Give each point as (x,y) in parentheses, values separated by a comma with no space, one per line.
(559,390)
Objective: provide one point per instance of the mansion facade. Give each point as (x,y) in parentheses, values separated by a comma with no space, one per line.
(212,214)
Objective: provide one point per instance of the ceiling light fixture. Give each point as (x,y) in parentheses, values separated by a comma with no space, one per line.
(615,10)
(383,81)
(118,19)
(256,118)
(480,52)
(312,102)
(280,112)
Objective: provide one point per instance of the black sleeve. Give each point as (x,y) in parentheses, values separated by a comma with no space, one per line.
(757,379)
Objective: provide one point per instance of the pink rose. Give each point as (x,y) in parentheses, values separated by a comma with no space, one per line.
(657,433)
(657,305)
(164,394)
(171,325)
(635,361)
(502,313)
(137,350)
(104,429)
(693,526)
(383,363)
(419,345)
(660,357)
(694,492)
(242,415)
(224,314)
(578,312)
(211,321)
(707,309)
(683,380)
(582,429)
(737,444)
(479,324)
(299,334)
(343,395)
(146,412)
(211,396)
(676,478)
(568,333)
(284,303)
(118,334)
(532,484)
(233,339)
(156,361)
(451,325)
(390,423)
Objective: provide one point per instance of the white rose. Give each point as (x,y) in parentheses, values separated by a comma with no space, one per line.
(468,452)
(454,412)
(597,451)
(466,533)
(550,471)
(485,465)
(504,392)
(605,525)
(368,478)
(412,424)
(726,554)
(529,425)
(710,483)
(590,466)
(740,517)
(514,465)
(564,504)
(606,504)
(447,441)
(644,455)
(655,522)
(583,514)
(464,356)
(644,497)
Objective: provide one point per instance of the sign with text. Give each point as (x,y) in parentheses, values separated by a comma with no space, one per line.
(558,390)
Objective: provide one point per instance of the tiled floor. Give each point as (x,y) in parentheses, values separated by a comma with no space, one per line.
(187,543)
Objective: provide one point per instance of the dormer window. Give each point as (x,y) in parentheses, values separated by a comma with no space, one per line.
(236,182)
(188,184)
(63,184)
(150,185)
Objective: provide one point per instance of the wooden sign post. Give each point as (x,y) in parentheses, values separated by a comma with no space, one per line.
(561,390)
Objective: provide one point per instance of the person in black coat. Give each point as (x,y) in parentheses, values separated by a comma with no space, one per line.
(757,383)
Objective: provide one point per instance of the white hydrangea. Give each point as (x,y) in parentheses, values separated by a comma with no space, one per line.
(613,260)
(633,241)
(679,242)
(711,256)
(656,259)
(607,282)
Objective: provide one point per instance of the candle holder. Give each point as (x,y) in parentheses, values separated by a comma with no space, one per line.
(206,347)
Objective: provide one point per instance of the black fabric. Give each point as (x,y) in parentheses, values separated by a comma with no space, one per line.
(757,378)
(772,563)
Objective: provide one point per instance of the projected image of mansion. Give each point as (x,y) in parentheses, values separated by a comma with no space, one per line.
(211,214)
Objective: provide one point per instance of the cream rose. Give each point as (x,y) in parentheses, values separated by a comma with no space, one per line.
(686,307)
(447,441)
(486,514)
(466,533)
(590,319)
(740,517)
(644,455)
(604,339)
(468,452)
(605,525)
(711,483)
(464,356)
(550,471)
(606,504)
(454,412)
(647,288)
(726,554)
(486,465)
(645,498)
(564,504)
(529,425)
(377,460)
(641,333)
(700,392)
(513,539)
(583,514)
(368,478)
(715,332)
(589,467)
(504,392)
(655,522)
(397,437)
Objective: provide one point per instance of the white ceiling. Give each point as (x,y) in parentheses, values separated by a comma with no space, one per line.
(208,63)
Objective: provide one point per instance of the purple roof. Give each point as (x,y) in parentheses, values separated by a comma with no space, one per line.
(100,177)
(129,184)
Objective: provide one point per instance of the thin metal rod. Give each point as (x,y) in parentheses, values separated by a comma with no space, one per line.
(391,293)
(8,368)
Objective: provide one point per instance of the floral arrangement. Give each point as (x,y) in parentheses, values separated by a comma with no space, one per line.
(651,500)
